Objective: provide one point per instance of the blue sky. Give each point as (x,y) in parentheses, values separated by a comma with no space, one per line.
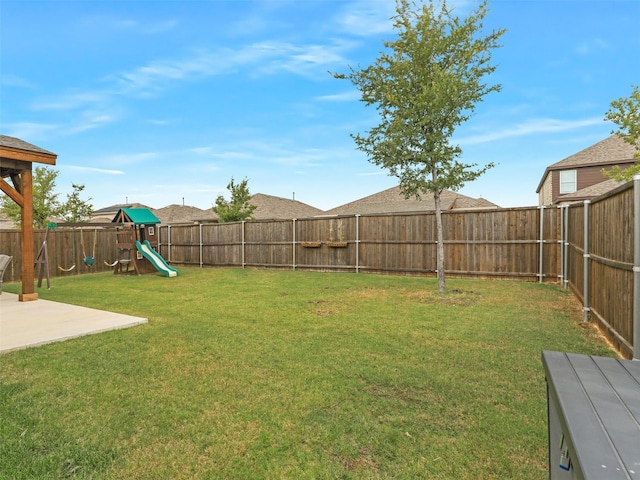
(162,102)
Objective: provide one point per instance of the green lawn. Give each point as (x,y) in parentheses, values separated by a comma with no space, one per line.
(243,374)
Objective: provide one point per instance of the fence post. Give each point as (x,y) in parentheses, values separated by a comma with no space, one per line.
(585,263)
(242,226)
(357,242)
(541,267)
(294,244)
(169,243)
(636,267)
(200,234)
(566,247)
(561,242)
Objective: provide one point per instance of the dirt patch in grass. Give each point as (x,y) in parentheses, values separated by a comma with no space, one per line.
(364,462)
(322,308)
(453,297)
(368,293)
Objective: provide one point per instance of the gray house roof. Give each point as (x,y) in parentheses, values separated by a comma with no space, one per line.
(393,201)
(610,151)
(106,214)
(172,214)
(267,207)
(590,192)
(270,207)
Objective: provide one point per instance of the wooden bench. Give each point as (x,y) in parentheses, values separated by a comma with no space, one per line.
(594,416)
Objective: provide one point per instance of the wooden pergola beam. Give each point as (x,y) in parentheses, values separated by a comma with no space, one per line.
(12,192)
(30,156)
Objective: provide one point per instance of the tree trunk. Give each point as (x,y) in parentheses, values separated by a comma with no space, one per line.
(440,244)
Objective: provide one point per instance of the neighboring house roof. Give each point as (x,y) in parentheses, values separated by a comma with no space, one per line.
(138,216)
(590,192)
(173,214)
(112,209)
(106,214)
(393,201)
(608,152)
(6,223)
(270,207)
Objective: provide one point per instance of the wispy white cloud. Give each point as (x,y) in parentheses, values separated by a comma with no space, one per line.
(157,27)
(9,80)
(311,61)
(592,45)
(80,168)
(531,127)
(366,17)
(340,97)
(90,120)
(269,57)
(129,24)
(30,130)
(375,17)
(71,101)
(157,121)
(125,159)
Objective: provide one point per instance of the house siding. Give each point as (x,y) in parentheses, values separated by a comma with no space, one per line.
(545,195)
(586,176)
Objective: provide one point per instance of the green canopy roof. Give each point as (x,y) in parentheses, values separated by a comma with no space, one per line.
(137,216)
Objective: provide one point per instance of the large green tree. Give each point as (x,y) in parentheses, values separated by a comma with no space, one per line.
(238,208)
(45,200)
(425,84)
(46,203)
(625,113)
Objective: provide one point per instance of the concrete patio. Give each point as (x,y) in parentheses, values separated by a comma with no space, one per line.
(29,324)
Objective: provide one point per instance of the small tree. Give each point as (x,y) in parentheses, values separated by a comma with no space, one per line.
(625,113)
(45,200)
(423,87)
(238,208)
(75,209)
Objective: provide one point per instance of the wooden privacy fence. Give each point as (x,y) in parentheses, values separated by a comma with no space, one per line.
(601,262)
(500,243)
(592,248)
(66,247)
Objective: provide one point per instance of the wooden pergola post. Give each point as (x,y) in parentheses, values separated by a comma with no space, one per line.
(16,160)
(26,185)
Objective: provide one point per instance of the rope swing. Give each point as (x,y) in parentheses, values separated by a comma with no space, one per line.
(111,265)
(73,243)
(89,261)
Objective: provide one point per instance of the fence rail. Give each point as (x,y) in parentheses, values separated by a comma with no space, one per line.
(591,248)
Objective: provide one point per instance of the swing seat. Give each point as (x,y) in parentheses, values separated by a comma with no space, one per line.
(67,269)
(111,264)
(89,261)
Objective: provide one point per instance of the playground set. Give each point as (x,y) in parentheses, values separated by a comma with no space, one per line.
(136,239)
